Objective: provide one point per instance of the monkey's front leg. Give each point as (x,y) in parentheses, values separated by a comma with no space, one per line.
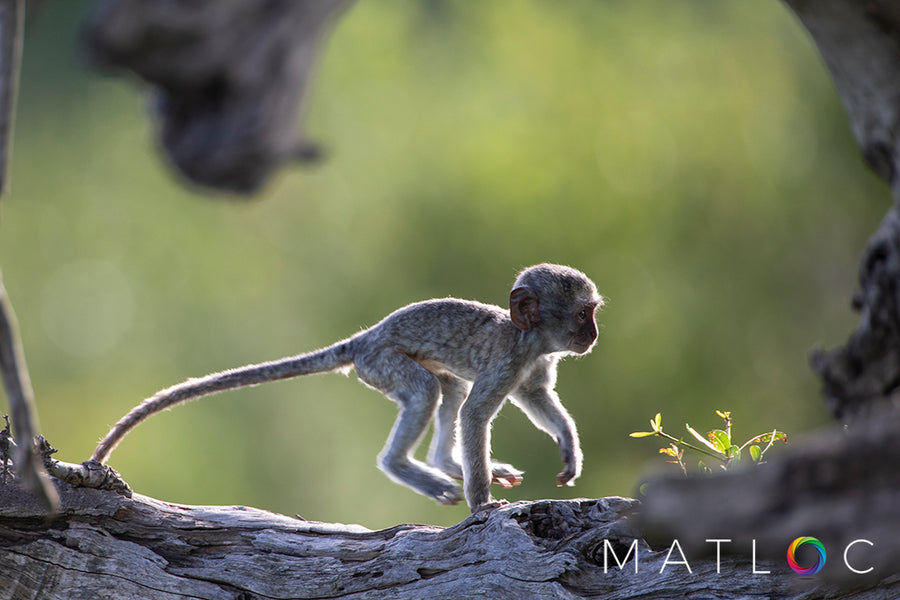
(443,442)
(475,418)
(542,405)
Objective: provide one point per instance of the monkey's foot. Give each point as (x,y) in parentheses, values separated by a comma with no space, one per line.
(492,505)
(506,476)
(449,497)
(420,477)
(443,491)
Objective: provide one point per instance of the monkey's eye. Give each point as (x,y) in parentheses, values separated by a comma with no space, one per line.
(582,314)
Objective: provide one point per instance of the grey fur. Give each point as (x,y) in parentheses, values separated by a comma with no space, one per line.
(454,361)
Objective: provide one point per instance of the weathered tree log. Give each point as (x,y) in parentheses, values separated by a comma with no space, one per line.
(104,545)
(229,78)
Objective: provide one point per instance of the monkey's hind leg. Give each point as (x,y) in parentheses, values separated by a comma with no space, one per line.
(417,393)
(444,441)
(442,453)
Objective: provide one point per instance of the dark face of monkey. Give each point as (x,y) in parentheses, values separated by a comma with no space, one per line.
(584,329)
(559,302)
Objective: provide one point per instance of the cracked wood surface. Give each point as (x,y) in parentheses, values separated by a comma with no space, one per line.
(104,545)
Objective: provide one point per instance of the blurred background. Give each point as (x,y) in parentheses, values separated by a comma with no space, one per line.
(691,157)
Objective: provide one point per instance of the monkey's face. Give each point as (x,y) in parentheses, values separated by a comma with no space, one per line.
(583,328)
(559,302)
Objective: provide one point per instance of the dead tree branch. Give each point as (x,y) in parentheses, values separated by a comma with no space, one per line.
(229,78)
(21,404)
(12,27)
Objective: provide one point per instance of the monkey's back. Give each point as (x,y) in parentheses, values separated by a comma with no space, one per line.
(445,333)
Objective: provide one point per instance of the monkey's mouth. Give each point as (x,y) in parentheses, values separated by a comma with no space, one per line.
(581,345)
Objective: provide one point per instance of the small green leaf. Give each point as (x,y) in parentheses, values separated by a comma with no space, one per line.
(725,415)
(656,423)
(755,453)
(702,439)
(719,439)
(640,434)
(776,436)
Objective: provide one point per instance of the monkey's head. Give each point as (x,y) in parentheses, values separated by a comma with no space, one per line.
(557,302)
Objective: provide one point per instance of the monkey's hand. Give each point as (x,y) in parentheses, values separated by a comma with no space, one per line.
(571,457)
(566,477)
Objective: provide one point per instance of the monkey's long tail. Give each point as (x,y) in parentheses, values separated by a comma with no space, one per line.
(333,358)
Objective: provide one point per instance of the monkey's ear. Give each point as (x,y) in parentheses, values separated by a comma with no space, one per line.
(524,308)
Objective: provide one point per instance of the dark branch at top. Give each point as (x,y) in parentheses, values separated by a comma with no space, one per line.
(229,78)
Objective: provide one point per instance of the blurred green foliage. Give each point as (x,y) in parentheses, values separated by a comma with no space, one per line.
(690,156)
(719,444)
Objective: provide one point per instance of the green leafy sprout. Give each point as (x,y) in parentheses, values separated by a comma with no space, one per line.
(717,444)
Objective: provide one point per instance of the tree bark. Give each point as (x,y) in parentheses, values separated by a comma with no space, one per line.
(104,545)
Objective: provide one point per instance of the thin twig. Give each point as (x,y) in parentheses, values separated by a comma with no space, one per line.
(21,405)
(12,25)
(12,357)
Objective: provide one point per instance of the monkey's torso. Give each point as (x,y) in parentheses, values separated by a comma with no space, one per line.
(463,336)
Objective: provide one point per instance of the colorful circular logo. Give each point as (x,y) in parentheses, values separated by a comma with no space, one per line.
(820,560)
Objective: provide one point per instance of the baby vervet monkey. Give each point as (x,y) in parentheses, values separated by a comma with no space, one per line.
(454,361)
